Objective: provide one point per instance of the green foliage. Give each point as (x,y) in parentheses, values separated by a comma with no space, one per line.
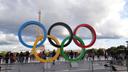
(3,53)
(100,52)
(116,50)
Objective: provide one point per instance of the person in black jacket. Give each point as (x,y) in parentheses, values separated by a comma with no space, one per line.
(1,57)
(71,54)
(53,54)
(7,58)
(27,54)
(21,57)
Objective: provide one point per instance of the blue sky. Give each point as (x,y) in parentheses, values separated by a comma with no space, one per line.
(109,18)
(125,12)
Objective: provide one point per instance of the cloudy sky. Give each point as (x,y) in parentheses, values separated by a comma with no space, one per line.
(109,18)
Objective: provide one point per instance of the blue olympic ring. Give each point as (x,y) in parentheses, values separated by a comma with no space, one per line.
(32,23)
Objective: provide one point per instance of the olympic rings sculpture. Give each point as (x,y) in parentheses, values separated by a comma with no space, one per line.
(72,36)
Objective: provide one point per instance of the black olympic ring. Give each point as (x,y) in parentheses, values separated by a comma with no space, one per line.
(67,27)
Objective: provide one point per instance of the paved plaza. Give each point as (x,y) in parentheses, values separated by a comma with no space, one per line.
(60,66)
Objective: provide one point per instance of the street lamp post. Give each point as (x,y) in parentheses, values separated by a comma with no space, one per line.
(126,56)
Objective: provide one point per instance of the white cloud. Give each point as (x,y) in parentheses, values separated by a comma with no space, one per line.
(104,16)
(11,38)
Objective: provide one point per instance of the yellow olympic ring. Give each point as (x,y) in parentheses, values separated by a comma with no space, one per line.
(49,59)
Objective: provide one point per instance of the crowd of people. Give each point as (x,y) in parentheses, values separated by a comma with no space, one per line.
(13,57)
(26,57)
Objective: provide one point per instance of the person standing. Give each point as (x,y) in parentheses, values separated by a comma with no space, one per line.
(7,58)
(1,57)
(17,58)
(53,54)
(12,58)
(27,54)
(21,57)
(71,54)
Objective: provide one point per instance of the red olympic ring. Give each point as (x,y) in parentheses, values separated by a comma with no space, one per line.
(93,35)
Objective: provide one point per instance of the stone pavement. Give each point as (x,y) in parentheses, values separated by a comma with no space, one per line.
(82,66)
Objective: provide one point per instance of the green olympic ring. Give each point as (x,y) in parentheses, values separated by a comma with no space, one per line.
(78,58)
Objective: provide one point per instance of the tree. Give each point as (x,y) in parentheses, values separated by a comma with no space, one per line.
(100,52)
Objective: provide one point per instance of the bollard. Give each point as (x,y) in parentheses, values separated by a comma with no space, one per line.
(92,66)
